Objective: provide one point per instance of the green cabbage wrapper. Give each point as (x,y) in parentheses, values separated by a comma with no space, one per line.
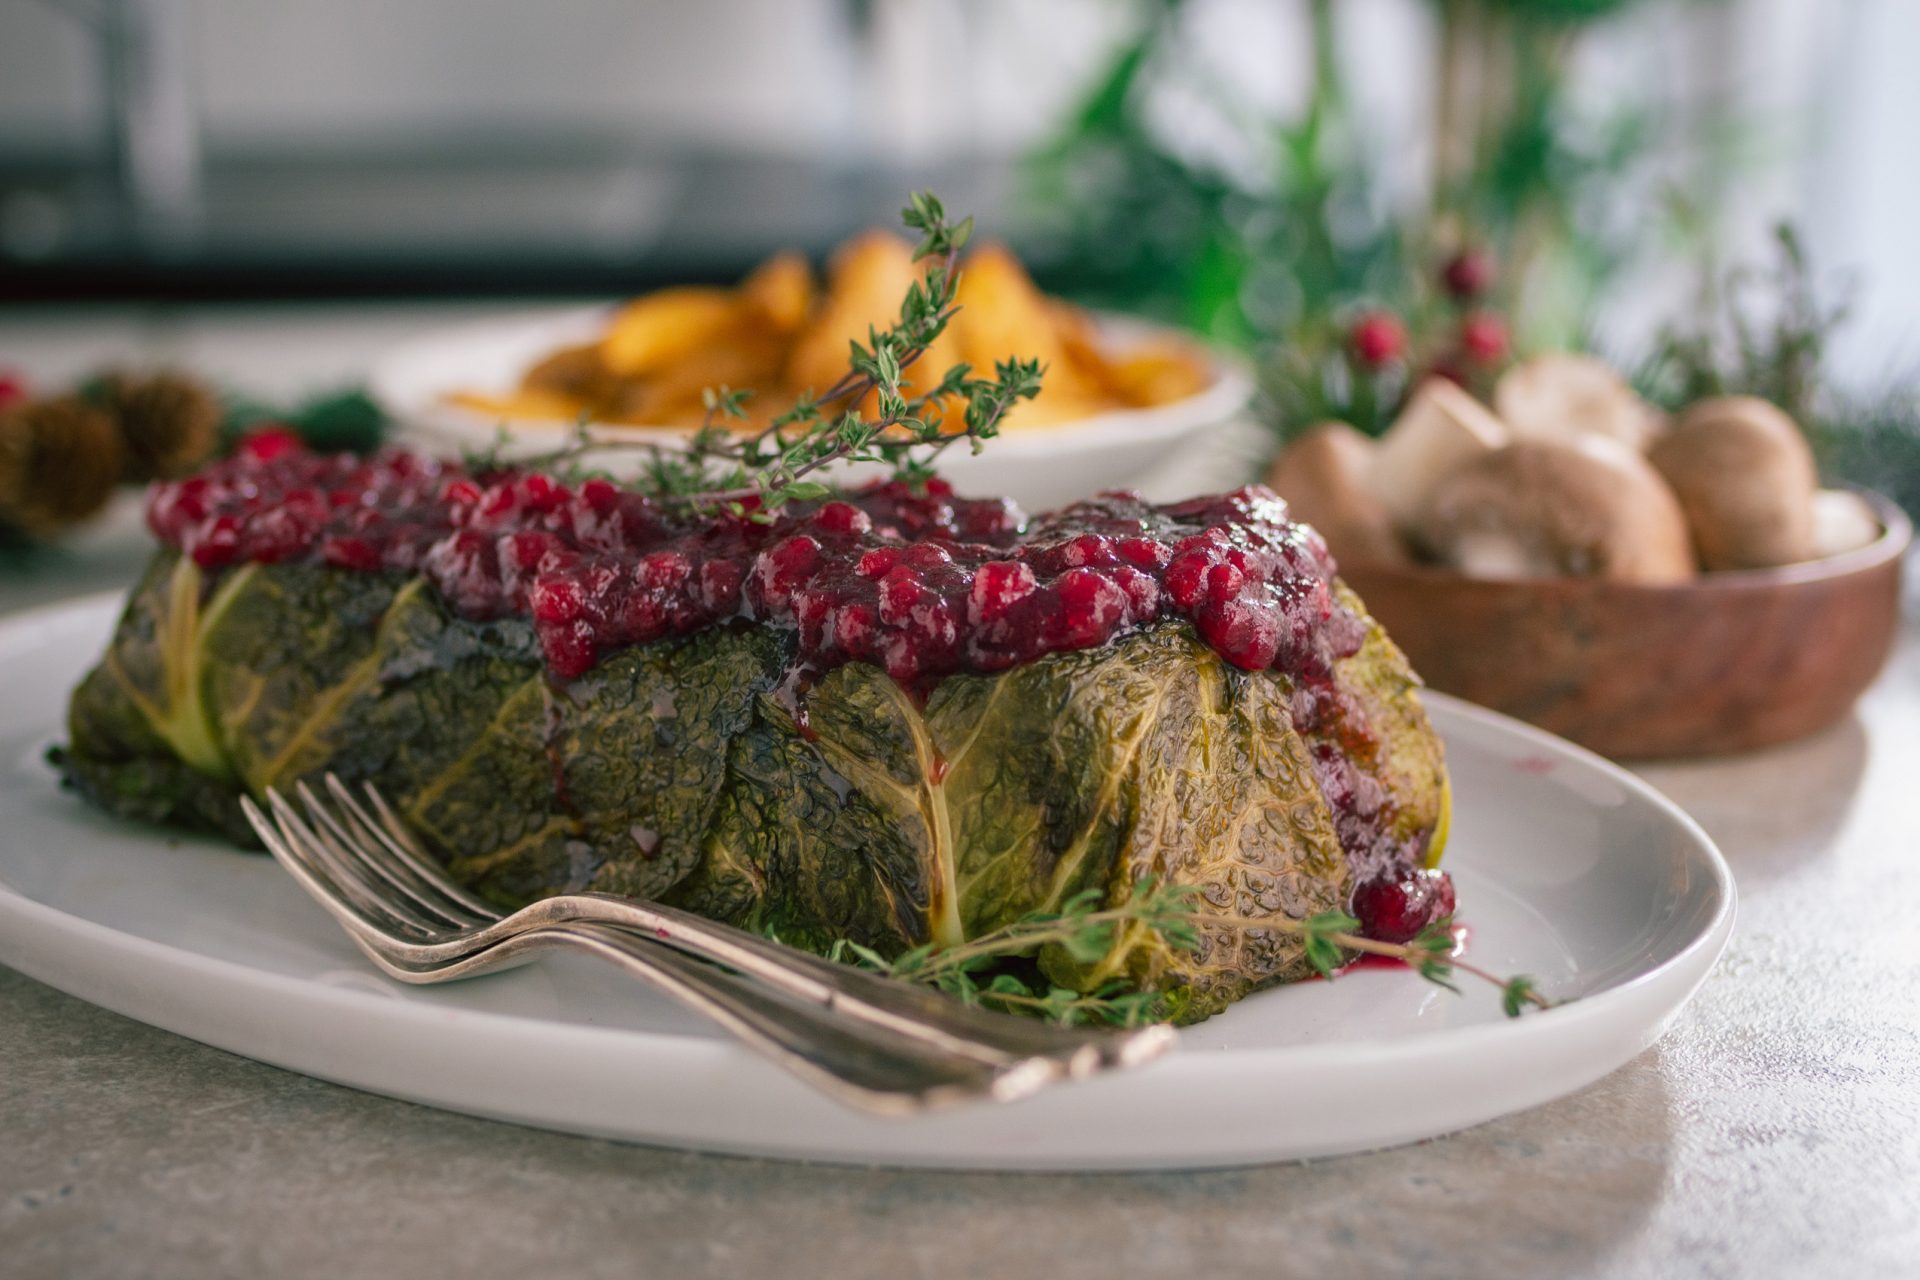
(671,772)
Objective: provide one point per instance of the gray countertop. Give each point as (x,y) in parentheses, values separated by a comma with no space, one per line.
(1774,1131)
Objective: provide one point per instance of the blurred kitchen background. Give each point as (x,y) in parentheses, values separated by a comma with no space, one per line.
(1709,196)
(213,149)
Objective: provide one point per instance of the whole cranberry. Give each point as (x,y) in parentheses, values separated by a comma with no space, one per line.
(571,648)
(345,552)
(1245,632)
(1091,607)
(720,586)
(998,585)
(877,562)
(853,629)
(1397,908)
(1143,593)
(1468,274)
(266,444)
(842,518)
(1187,577)
(601,496)
(926,555)
(1483,336)
(1377,338)
(215,543)
(1224,582)
(1148,553)
(541,494)
(556,600)
(663,570)
(901,593)
(1087,549)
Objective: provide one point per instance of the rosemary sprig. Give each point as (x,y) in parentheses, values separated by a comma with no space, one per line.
(978,970)
(752,475)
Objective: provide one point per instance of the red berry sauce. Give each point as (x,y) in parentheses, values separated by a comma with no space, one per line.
(921,583)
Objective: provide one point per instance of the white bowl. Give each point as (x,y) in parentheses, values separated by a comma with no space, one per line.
(1038,467)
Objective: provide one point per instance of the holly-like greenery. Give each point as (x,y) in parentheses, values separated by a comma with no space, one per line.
(1299,226)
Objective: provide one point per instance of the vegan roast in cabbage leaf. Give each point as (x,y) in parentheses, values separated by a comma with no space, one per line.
(697,768)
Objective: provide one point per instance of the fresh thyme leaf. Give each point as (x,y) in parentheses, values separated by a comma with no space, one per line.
(994,969)
(750,475)
(1438,972)
(1516,994)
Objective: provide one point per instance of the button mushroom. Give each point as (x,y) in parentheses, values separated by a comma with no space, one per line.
(1559,396)
(1440,428)
(1842,521)
(1745,477)
(1323,475)
(1551,508)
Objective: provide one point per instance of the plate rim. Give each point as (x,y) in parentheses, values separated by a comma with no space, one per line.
(1596,1004)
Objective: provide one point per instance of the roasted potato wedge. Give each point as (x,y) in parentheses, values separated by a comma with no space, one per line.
(783,332)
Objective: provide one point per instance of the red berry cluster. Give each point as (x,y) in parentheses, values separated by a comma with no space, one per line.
(1475,342)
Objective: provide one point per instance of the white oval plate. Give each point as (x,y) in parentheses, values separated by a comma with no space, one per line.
(1568,869)
(1040,467)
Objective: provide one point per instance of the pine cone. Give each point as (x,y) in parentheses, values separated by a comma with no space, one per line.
(170,422)
(59,462)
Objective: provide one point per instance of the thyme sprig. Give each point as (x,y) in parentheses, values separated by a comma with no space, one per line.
(753,474)
(978,971)
(975,970)
(1433,954)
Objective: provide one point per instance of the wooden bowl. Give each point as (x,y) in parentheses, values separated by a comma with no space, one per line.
(1728,662)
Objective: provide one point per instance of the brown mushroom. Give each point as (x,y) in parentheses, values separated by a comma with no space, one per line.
(1842,521)
(1562,395)
(1440,428)
(1323,475)
(1745,477)
(1585,507)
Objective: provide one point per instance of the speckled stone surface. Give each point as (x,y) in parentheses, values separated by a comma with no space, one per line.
(1774,1132)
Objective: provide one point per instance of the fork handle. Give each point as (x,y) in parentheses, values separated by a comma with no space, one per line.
(865,1065)
(904,1007)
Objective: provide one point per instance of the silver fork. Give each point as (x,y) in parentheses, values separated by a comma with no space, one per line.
(879,1043)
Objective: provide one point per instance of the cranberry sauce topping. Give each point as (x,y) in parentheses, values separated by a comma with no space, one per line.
(922,584)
